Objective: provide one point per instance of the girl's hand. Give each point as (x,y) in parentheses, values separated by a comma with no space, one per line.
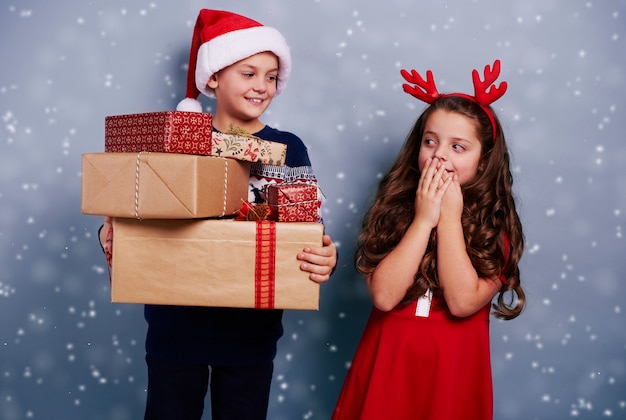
(319,261)
(431,189)
(452,202)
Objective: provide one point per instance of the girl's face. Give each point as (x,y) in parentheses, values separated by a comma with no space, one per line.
(245,89)
(453,139)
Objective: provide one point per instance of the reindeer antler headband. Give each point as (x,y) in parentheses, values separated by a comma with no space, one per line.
(485,92)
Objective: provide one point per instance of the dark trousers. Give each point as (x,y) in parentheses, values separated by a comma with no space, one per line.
(177,391)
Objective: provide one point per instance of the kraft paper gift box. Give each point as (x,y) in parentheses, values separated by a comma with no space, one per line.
(162,185)
(249,148)
(167,131)
(293,202)
(211,262)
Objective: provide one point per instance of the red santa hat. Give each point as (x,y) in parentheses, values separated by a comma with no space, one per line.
(222,38)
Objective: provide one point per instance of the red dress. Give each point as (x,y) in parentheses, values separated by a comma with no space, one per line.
(420,367)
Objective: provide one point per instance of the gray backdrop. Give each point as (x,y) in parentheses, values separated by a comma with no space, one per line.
(66,352)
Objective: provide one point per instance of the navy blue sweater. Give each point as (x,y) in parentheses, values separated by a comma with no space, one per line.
(228,336)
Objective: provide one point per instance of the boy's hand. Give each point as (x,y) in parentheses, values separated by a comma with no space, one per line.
(319,261)
(106,239)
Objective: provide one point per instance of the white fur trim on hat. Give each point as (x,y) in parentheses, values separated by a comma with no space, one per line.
(189,105)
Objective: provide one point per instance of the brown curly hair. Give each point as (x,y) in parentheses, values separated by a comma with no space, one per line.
(489,216)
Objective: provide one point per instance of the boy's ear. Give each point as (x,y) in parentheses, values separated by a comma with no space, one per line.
(212,82)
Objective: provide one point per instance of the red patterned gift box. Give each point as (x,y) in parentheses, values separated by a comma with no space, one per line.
(293,202)
(167,131)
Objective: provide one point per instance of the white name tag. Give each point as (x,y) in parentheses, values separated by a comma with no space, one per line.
(423,304)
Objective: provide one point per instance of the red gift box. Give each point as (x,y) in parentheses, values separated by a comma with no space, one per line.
(167,131)
(293,202)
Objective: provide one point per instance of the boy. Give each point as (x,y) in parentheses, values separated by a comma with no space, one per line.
(243,64)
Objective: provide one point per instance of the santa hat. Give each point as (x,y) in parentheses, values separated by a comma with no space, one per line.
(222,38)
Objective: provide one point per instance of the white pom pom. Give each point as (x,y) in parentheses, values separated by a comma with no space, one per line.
(189,105)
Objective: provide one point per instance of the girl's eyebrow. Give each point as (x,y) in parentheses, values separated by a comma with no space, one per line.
(457,139)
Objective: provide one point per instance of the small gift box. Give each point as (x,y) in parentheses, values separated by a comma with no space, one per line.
(249,148)
(211,262)
(293,202)
(162,185)
(167,131)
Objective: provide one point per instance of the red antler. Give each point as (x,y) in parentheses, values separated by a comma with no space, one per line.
(486,92)
(423,90)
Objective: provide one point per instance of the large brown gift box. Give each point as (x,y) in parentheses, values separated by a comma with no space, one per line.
(166,131)
(211,262)
(162,185)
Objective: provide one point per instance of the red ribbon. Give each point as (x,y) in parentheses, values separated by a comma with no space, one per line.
(265,265)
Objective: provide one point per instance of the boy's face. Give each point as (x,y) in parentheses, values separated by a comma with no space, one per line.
(245,89)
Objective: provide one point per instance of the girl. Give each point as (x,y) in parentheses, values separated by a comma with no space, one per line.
(440,241)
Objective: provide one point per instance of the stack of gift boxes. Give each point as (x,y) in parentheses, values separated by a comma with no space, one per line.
(174,189)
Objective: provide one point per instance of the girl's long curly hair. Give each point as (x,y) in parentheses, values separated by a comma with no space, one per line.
(489,214)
